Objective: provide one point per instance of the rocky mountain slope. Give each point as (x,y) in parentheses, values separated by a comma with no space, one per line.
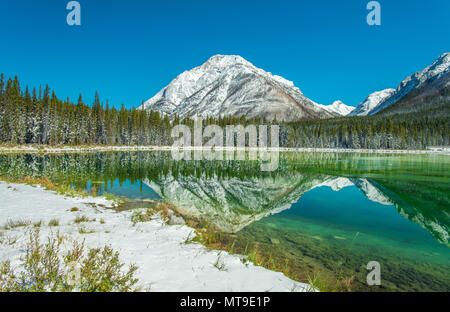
(429,82)
(230,85)
(371,102)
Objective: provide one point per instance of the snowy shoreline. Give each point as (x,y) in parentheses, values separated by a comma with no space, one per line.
(47,149)
(166,262)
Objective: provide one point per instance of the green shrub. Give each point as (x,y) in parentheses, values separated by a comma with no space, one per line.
(53,222)
(84,230)
(142,215)
(81,219)
(46,268)
(38,223)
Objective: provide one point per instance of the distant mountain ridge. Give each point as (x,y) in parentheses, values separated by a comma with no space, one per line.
(338,108)
(230,85)
(428,82)
(371,102)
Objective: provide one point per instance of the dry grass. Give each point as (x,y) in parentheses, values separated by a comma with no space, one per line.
(215,239)
(164,210)
(82,219)
(53,222)
(38,224)
(48,184)
(12,224)
(85,230)
(142,215)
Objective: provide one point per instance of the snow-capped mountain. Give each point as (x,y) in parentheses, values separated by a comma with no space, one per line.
(230,85)
(434,77)
(336,184)
(371,102)
(338,108)
(232,204)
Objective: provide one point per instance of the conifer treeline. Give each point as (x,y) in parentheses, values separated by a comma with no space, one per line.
(40,117)
(403,131)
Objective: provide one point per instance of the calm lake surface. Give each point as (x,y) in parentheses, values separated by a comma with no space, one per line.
(326,214)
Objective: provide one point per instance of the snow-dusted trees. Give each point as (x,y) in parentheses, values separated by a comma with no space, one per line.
(29,118)
(407,131)
(42,118)
(3,123)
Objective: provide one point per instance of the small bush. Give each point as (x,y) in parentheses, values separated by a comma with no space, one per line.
(38,224)
(46,268)
(101,271)
(53,222)
(8,278)
(81,219)
(84,230)
(74,209)
(141,215)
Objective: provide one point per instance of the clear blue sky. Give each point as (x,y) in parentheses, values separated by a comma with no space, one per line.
(129,50)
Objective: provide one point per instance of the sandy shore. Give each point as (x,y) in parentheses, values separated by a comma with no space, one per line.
(166,262)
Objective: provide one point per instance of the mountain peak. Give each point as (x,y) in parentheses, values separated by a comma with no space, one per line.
(338,103)
(427,81)
(443,58)
(432,77)
(224,60)
(371,102)
(230,85)
(439,67)
(338,108)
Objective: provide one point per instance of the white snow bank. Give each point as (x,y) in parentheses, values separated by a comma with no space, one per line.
(165,261)
(45,149)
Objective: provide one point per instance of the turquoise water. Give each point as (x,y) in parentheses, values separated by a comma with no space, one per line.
(351,212)
(324,215)
(126,189)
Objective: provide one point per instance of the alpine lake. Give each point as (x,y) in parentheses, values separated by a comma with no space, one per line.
(318,218)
